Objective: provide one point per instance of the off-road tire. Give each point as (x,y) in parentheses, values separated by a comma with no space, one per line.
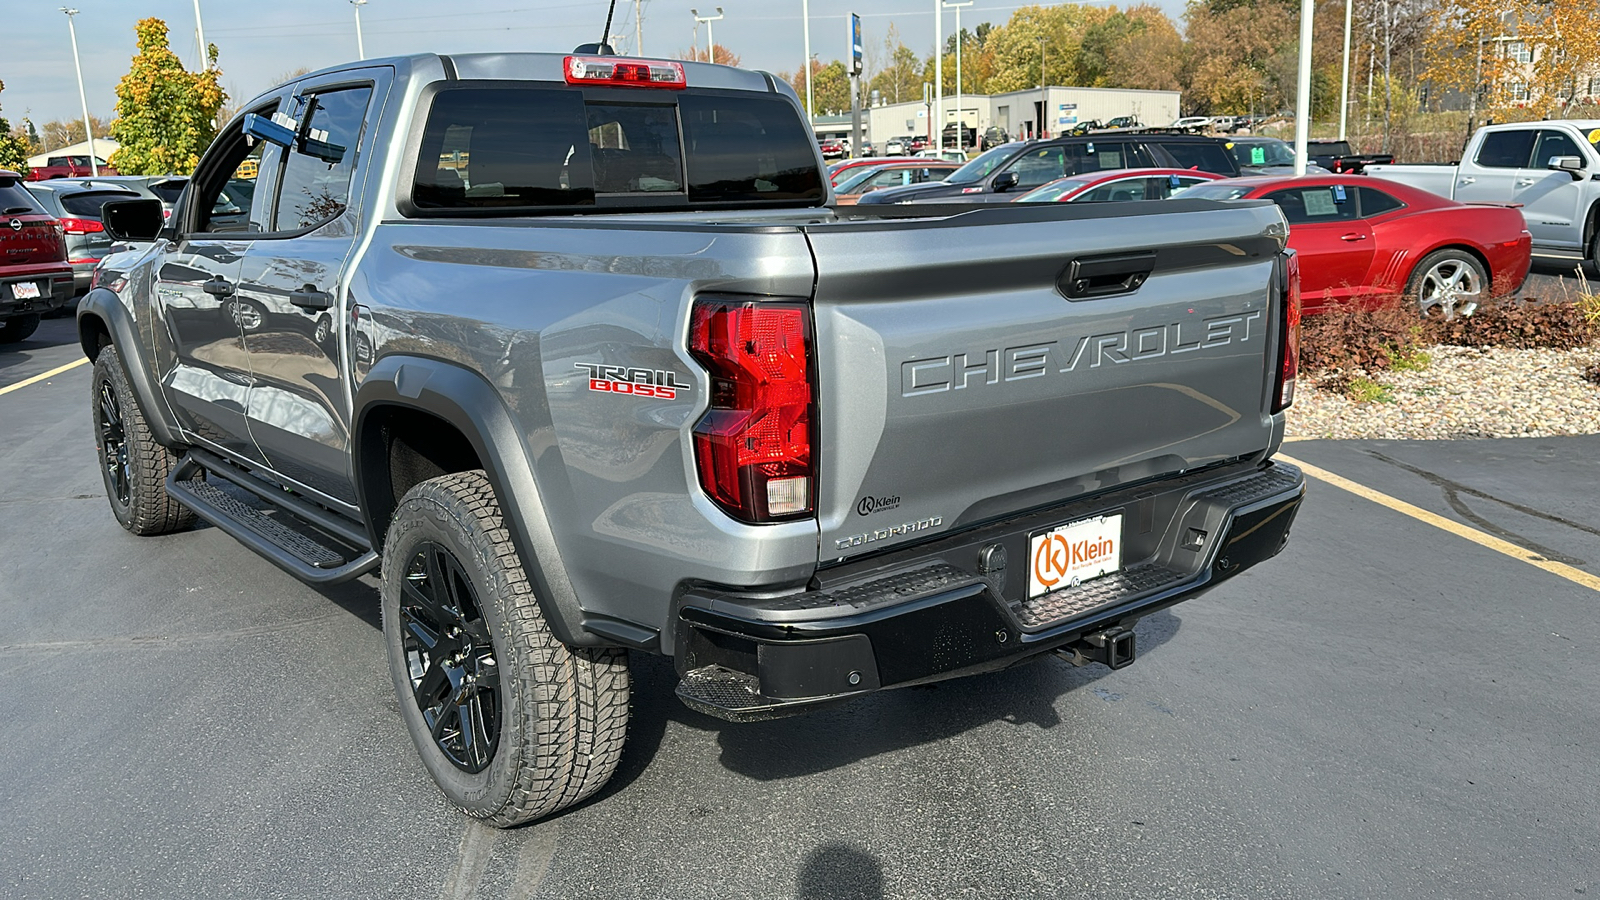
(564,710)
(18,328)
(149,509)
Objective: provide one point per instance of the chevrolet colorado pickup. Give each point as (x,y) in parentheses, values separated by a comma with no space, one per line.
(1551,169)
(575,353)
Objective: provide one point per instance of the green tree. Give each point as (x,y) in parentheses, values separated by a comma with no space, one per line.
(13,146)
(902,77)
(166,115)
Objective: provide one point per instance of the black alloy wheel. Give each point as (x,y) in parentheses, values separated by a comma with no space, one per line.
(114,439)
(455,677)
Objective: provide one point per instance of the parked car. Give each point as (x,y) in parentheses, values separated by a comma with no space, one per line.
(993,136)
(867,150)
(1012,169)
(1549,167)
(1365,240)
(873,178)
(1085,126)
(1124,122)
(77,203)
(838,171)
(1340,157)
(1118,185)
(948,155)
(1191,124)
(917,145)
(35,277)
(832,148)
(1267,156)
(69,167)
(785,447)
(894,147)
(969,137)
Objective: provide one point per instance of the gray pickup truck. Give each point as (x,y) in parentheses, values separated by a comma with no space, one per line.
(575,353)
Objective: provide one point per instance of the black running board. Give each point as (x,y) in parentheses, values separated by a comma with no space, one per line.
(324,559)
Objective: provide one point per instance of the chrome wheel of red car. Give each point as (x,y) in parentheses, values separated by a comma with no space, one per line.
(1451,284)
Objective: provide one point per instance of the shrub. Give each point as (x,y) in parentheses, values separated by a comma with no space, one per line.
(1354,336)
(1591,374)
(1522,325)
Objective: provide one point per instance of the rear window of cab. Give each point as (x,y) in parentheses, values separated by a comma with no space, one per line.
(516,149)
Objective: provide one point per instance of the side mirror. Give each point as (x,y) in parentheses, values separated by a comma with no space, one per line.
(1005,181)
(133,220)
(1572,165)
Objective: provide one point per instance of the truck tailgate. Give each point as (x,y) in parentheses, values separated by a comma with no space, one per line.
(959,383)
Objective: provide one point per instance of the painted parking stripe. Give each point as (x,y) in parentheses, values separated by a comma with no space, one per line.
(41,376)
(1576,576)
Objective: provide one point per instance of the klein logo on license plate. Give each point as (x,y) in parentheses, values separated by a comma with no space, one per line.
(1074,553)
(25,290)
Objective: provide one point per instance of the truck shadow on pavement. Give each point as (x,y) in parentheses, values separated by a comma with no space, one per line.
(1024,695)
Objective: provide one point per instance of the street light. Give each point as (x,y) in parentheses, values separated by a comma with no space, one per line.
(88,130)
(1302,95)
(805,16)
(961,143)
(200,35)
(361,49)
(1344,79)
(711,41)
(938,72)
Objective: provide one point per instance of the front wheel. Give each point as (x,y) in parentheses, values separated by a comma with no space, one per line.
(18,328)
(133,465)
(511,724)
(1448,283)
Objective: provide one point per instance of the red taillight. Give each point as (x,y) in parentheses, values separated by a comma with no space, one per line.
(753,447)
(1289,344)
(82,226)
(615,71)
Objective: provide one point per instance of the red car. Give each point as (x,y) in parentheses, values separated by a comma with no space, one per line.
(35,276)
(832,149)
(1114,185)
(844,168)
(68,167)
(917,145)
(1366,239)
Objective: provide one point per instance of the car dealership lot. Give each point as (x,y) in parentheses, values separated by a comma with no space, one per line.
(1386,710)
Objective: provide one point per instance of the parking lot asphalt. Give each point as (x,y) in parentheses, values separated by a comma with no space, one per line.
(1385,710)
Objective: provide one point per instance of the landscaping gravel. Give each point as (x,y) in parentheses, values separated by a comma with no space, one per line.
(1462,393)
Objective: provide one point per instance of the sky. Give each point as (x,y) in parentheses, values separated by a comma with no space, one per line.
(260,40)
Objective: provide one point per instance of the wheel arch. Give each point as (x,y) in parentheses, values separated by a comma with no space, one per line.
(104,321)
(1473,251)
(1591,227)
(449,418)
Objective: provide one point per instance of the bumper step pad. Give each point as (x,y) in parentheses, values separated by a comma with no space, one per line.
(736,696)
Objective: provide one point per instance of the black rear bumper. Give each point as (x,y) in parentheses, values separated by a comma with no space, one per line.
(950,607)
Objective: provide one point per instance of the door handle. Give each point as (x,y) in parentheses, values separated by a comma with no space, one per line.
(1524,182)
(1352,237)
(218,287)
(1467,180)
(309,297)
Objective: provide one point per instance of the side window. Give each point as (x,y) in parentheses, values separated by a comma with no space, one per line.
(1040,166)
(1506,149)
(1310,205)
(891,178)
(1207,157)
(1553,144)
(230,191)
(315,186)
(1115,192)
(1375,202)
(1184,183)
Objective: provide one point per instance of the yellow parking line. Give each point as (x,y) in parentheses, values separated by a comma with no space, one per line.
(41,376)
(1577,576)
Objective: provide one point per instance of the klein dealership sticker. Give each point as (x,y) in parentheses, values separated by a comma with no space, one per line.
(870,505)
(635,382)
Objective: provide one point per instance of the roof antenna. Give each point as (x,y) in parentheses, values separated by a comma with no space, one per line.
(603,48)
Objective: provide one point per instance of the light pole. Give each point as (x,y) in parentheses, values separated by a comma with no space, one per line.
(361,49)
(938,73)
(961,141)
(805,16)
(1344,79)
(88,129)
(638,28)
(711,41)
(200,35)
(1302,95)
(1044,96)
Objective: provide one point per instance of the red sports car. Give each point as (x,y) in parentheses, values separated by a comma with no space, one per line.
(1114,185)
(1367,239)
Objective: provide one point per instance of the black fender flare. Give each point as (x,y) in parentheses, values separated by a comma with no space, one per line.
(465,400)
(102,309)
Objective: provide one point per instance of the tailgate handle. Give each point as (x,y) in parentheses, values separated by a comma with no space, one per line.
(1103,276)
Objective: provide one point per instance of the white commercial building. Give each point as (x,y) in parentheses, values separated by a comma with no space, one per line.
(1018,113)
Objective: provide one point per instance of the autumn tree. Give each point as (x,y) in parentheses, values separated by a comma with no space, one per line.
(1479,46)
(724,57)
(903,73)
(1137,48)
(1241,55)
(13,146)
(166,115)
(1037,36)
(60,133)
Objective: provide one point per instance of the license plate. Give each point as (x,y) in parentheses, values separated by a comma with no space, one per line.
(25,290)
(1071,554)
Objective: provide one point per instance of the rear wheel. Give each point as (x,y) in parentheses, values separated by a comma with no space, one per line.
(1448,283)
(512,724)
(133,466)
(18,328)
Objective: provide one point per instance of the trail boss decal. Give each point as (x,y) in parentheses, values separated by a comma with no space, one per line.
(637,382)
